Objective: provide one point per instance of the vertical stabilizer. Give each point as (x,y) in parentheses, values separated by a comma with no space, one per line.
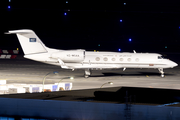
(30,42)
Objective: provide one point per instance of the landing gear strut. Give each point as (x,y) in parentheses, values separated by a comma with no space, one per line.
(161,71)
(87,73)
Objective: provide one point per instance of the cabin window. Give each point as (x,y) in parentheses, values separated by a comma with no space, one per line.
(97,58)
(105,59)
(113,59)
(121,59)
(129,59)
(137,59)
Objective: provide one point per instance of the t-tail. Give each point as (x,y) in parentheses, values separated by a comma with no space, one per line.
(30,42)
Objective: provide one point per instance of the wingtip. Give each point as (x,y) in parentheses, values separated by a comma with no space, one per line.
(7,33)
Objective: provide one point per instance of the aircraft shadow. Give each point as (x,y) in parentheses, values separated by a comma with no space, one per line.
(107,74)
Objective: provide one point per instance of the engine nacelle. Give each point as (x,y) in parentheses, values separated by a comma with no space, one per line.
(72,56)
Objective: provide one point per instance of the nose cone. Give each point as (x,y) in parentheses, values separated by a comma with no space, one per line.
(173,64)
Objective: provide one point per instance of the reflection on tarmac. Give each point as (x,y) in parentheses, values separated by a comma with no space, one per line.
(31,72)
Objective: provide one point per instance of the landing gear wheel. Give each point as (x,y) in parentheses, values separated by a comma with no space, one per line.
(161,71)
(162,76)
(86,76)
(87,73)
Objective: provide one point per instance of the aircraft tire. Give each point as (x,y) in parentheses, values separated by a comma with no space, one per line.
(162,76)
(86,76)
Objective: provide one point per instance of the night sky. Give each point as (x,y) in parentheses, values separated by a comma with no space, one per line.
(143,25)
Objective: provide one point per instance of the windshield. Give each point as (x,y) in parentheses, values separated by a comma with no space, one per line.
(160,57)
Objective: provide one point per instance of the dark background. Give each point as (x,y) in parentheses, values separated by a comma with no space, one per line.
(152,25)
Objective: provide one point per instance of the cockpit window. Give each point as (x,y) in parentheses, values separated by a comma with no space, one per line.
(160,57)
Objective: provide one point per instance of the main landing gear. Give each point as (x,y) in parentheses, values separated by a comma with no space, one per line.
(161,71)
(87,73)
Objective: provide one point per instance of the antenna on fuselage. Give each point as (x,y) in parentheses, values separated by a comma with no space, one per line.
(134,51)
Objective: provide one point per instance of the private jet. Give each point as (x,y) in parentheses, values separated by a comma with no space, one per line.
(36,50)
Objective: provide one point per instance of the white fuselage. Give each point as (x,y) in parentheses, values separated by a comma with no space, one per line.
(35,49)
(105,60)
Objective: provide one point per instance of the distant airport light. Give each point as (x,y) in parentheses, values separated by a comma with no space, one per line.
(124,3)
(66,1)
(99,45)
(119,49)
(120,20)
(165,46)
(65,13)
(9,0)
(71,78)
(9,7)
(130,39)
(55,72)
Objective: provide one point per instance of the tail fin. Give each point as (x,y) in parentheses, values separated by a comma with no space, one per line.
(29,41)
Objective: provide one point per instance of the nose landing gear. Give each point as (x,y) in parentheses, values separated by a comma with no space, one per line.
(161,71)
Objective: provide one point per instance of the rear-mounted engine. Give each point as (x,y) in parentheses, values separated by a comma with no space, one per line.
(72,56)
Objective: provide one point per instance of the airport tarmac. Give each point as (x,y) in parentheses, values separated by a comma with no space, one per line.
(32,72)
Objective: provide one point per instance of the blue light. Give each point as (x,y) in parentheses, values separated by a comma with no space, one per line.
(179,27)
(55,72)
(120,20)
(165,46)
(9,0)
(130,40)
(99,45)
(65,13)
(119,49)
(66,1)
(9,7)
(124,3)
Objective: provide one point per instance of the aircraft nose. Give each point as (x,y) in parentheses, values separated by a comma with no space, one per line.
(174,64)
